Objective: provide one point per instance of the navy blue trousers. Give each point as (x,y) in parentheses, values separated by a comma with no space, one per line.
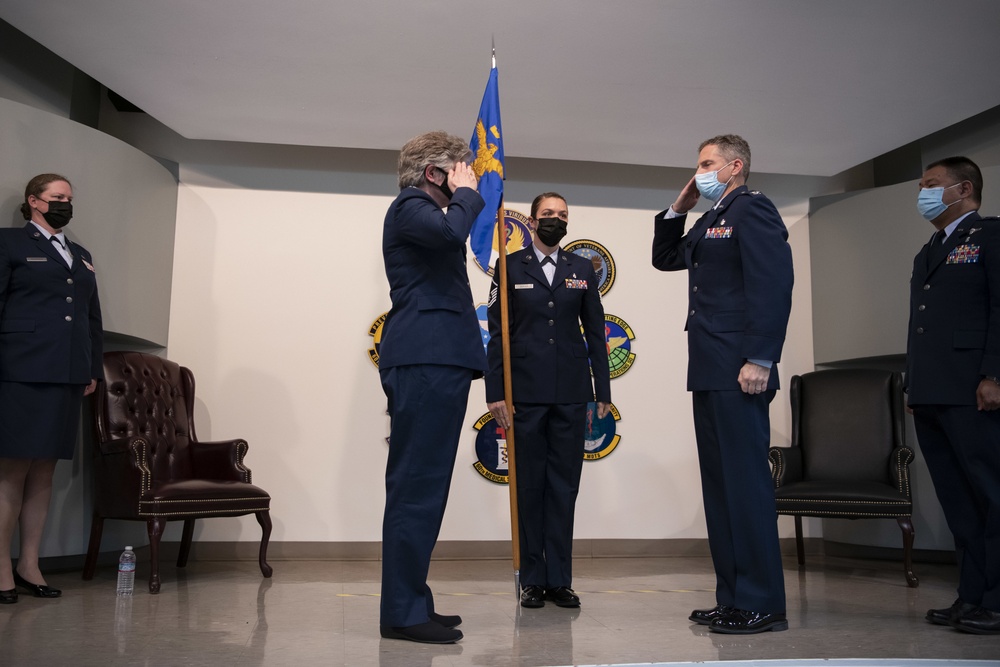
(733,430)
(549,453)
(962,448)
(426,407)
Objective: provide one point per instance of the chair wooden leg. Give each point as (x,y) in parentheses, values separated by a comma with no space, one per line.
(94,548)
(906,525)
(264,519)
(799,546)
(186,536)
(154,527)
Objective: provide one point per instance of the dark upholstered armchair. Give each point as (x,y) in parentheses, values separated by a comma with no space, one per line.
(149,465)
(848,459)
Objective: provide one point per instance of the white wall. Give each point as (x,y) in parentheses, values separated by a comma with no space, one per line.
(273,295)
(124,205)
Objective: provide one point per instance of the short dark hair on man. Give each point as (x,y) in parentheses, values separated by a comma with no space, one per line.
(961,169)
(732,147)
(538,200)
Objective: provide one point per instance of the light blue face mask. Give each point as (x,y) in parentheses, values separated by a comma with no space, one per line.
(708,183)
(930,201)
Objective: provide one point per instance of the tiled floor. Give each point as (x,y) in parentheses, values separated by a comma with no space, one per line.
(326,613)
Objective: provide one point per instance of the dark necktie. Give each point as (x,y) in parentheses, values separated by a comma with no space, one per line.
(937,247)
(60,248)
(548,260)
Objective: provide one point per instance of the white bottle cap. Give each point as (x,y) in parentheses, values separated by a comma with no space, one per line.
(128,548)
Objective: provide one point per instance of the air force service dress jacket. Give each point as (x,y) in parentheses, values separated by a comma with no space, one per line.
(954,328)
(433,318)
(550,362)
(50,315)
(739,286)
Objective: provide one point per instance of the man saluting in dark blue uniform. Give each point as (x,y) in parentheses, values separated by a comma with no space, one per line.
(740,295)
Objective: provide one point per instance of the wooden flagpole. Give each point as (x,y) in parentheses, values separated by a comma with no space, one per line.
(515,534)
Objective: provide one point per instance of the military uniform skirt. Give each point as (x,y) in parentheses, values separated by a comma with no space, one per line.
(39,420)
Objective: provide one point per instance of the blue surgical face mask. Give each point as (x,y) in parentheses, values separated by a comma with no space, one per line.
(930,201)
(708,183)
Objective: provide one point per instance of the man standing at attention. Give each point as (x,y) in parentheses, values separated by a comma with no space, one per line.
(431,350)
(952,375)
(740,294)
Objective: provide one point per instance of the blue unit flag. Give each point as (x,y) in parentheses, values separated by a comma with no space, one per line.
(487,149)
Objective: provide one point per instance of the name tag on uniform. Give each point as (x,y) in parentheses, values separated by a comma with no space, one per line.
(964,254)
(37,259)
(719,232)
(575,284)
(524,286)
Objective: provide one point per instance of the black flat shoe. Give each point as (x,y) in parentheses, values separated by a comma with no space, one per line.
(706,616)
(532,597)
(978,621)
(742,622)
(945,616)
(563,596)
(8,597)
(425,633)
(37,590)
(449,622)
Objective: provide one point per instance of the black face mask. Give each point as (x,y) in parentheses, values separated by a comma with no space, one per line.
(445,190)
(59,214)
(551,231)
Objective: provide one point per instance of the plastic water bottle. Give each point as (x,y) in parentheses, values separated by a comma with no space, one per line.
(126,572)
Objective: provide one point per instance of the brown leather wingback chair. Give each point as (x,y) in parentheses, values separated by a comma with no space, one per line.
(149,465)
(848,458)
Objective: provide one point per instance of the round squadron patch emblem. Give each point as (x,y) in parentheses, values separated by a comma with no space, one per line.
(600,436)
(518,237)
(619,336)
(491,450)
(604,263)
(375,331)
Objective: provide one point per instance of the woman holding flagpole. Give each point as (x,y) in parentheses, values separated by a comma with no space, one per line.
(551,295)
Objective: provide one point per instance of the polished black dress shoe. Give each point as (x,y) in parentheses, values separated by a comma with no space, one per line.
(741,622)
(37,590)
(706,616)
(446,621)
(563,596)
(532,597)
(8,597)
(944,616)
(425,633)
(978,621)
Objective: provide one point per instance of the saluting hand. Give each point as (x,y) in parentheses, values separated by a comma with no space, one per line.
(687,198)
(462,176)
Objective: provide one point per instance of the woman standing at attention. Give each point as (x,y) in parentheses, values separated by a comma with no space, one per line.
(50,358)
